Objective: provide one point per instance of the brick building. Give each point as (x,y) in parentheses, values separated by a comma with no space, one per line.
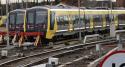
(120,3)
(89,3)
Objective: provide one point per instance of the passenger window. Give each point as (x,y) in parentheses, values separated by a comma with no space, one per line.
(97,18)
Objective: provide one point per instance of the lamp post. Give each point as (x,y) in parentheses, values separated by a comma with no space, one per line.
(26,3)
(112,24)
(80,38)
(7,24)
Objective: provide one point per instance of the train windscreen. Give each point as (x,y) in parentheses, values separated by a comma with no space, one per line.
(16,20)
(41,17)
(12,19)
(37,20)
(20,18)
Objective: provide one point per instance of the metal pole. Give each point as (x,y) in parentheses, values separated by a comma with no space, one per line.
(0,7)
(111,24)
(22,4)
(26,3)
(120,46)
(7,24)
(80,38)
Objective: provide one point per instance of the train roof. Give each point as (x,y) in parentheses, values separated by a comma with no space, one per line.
(17,10)
(59,6)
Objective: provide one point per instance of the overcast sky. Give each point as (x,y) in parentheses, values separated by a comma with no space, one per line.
(11,1)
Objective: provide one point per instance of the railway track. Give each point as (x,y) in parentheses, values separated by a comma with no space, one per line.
(88,53)
(29,60)
(87,58)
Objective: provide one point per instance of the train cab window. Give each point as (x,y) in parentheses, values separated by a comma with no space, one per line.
(41,16)
(30,17)
(52,20)
(12,19)
(20,18)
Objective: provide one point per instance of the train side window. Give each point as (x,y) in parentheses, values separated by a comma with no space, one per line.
(121,17)
(76,19)
(87,19)
(52,20)
(107,18)
(111,17)
(97,18)
(82,18)
(73,19)
(66,19)
(62,20)
(57,18)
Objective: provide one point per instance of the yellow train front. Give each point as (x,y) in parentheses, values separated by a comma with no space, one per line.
(3,29)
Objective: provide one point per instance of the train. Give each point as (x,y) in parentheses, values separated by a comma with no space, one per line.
(2,20)
(3,29)
(51,23)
